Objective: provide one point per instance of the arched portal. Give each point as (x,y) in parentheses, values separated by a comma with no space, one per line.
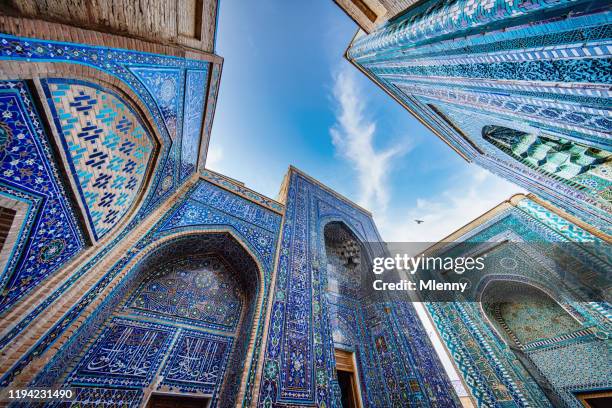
(346,260)
(527,319)
(182,329)
(523,314)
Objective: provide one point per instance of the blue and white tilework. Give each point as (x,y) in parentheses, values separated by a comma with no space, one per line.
(541,68)
(50,234)
(566,350)
(53,217)
(127,353)
(109,152)
(157,80)
(299,364)
(197,362)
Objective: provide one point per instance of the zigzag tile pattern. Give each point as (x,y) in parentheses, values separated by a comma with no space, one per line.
(108,149)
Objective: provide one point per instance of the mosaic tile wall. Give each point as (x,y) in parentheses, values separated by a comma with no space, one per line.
(50,234)
(127,353)
(299,366)
(567,350)
(542,68)
(584,167)
(205,207)
(109,151)
(200,293)
(195,93)
(166,333)
(159,81)
(530,317)
(392,351)
(396,366)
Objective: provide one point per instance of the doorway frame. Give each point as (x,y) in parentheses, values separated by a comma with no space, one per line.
(347,362)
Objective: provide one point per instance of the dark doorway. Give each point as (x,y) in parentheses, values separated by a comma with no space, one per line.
(347,379)
(347,388)
(176,401)
(596,399)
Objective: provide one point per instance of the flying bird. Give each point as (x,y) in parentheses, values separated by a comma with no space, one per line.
(419,221)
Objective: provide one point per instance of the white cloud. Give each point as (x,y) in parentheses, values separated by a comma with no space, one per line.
(449,210)
(353,137)
(214,157)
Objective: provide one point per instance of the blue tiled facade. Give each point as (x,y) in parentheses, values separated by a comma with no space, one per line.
(108,176)
(494,344)
(538,68)
(50,234)
(135,271)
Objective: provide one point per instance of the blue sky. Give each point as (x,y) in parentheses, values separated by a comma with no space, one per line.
(287,96)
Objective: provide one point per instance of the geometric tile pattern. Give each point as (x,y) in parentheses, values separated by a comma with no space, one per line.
(396,368)
(344,261)
(530,316)
(164,86)
(50,213)
(195,96)
(570,162)
(241,190)
(127,353)
(550,346)
(197,362)
(211,102)
(439,18)
(200,274)
(559,224)
(298,361)
(343,321)
(107,147)
(50,234)
(390,365)
(299,354)
(201,292)
(466,66)
(216,212)
(163,102)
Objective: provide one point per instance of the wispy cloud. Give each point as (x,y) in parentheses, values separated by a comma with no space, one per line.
(449,210)
(353,137)
(214,157)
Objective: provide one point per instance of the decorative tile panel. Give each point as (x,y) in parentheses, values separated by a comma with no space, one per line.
(198,291)
(197,363)
(298,363)
(227,215)
(195,98)
(50,234)
(215,78)
(127,353)
(165,86)
(542,68)
(241,190)
(107,147)
(552,339)
(163,102)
